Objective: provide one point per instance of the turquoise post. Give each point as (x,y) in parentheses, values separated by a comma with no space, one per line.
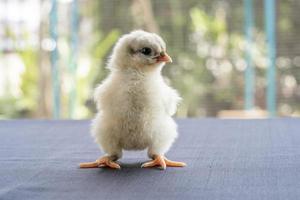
(249,72)
(73,58)
(270,20)
(54,60)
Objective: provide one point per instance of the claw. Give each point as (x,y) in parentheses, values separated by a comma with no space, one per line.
(89,165)
(171,163)
(162,162)
(101,162)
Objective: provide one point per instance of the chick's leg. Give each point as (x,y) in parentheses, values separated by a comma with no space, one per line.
(105,161)
(162,162)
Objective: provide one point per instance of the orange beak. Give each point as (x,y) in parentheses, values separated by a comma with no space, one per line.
(164,57)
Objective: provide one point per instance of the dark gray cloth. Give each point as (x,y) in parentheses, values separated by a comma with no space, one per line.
(227,159)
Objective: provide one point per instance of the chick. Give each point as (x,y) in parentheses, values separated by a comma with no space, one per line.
(135,104)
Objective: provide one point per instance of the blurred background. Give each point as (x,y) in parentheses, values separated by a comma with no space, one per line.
(231,58)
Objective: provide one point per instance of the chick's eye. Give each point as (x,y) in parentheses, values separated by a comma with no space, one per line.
(146,51)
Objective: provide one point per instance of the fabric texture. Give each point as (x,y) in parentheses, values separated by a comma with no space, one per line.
(227,159)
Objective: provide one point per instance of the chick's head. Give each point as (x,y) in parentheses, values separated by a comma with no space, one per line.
(139,50)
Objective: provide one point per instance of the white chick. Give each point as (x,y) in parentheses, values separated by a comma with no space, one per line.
(135,104)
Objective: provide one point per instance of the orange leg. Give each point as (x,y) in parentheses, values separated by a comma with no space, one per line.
(105,161)
(163,162)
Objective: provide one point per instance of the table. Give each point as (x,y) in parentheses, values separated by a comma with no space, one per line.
(227,159)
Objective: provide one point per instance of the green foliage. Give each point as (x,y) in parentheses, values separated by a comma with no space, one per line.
(25,104)
(100,52)
(199,73)
(9,108)
(29,77)
(29,87)
(205,38)
(212,27)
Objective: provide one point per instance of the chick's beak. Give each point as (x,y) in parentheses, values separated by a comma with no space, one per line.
(164,57)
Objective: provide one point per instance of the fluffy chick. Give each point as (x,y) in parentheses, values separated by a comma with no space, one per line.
(135,104)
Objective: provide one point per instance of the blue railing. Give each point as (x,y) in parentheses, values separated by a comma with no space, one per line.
(270,26)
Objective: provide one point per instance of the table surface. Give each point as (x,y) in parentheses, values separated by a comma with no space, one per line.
(227,159)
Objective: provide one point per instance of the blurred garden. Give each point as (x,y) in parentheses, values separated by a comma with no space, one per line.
(53,54)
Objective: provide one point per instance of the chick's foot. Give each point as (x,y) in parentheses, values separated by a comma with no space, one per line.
(105,161)
(162,162)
